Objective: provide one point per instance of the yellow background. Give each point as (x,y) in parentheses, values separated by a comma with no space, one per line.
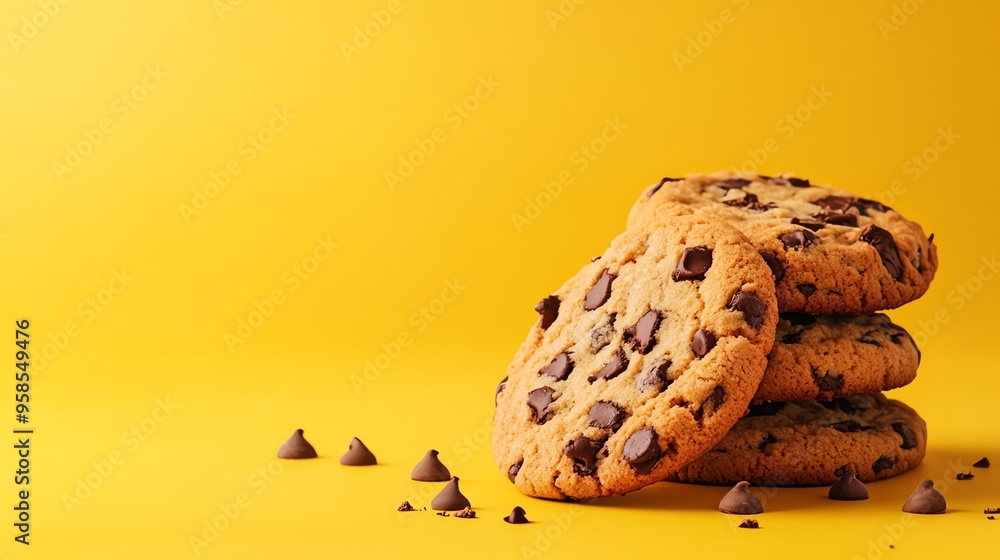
(214,76)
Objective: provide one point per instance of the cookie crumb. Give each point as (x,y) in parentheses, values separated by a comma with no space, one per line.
(892,546)
(749,524)
(989,511)
(405,506)
(990,517)
(964,476)
(983,463)
(466,513)
(443,514)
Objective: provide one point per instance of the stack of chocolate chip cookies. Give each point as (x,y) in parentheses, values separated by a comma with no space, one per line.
(728,334)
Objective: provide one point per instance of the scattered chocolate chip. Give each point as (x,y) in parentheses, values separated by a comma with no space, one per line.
(833,219)
(749,524)
(883,243)
(777,269)
(618,364)
(768,439)
(466,513)
(765,409)
(500,387)
(654,376)
(925,500)
(883,463)
(865,205)
(799,319)
(642,450)
(583,452)
(983,463)
(600,292)
(430,469)
(559,368)
(905,432)
(964,476)
(848,488)
(642,335)
(798,239)
(828,383)
(731,184)
(357,455)
(296,447)
(693,264)
(516,516)
(652,190)
(606,415)
(539,401)
(806,289)
(809,224)
(405,506)
(846,426)
(753,308)
(702,342)
(602,334)
(548,308)
(450,498)
(740,501)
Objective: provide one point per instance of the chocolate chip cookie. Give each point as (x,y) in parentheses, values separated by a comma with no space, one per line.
(815,443)
(825,357)
(638,364)
(830,251)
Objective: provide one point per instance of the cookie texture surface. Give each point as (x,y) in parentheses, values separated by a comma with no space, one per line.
(637,365)
(815,443)
(825,357)
(830,251)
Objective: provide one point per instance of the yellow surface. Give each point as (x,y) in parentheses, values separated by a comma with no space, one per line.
(231,164)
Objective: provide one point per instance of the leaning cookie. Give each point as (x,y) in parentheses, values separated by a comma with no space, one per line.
(831,251)
(813,443)
(826,357)
(638,364)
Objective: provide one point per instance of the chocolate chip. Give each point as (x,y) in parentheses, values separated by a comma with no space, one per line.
(652,190)
(828,383)
(606,415)
(838,204)
(539,401)
(500,387)
(296,447)
(964,476)
(749,524)
(750,202)
(846,426)
(715,400)
(618,364)
(883,463)
(796,182)
(642,450)
(809,224)
(450,498)
(842,470)
(694,263)
(548,308)
(983,463)
(930,239)
(833,219)
(806,289)
(740,501)
(516,517)
(405,506)
(602,334)
(560,367)
(798,319)
(798,239)
(865,205)
(905,432)
(513,470)
(702,343)
(731,184)
(358,455)
(840,404)
(777,269)
(641,336)
(583,452)
(753,308)
(848,488)
(430,469)
(768,439)
(600,292)
(792,338)
(654,376)
(925,500)
(766,409)
(867,339)
(882,241)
